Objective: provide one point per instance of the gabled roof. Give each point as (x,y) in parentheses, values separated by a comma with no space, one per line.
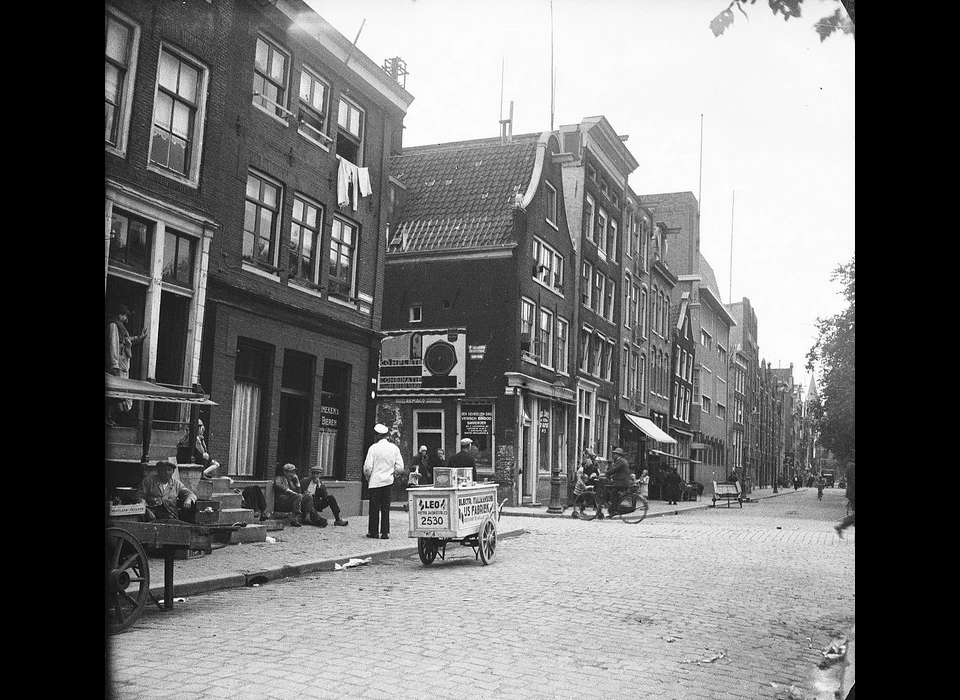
(461,195)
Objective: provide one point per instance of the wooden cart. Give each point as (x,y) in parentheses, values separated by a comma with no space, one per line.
(439,515)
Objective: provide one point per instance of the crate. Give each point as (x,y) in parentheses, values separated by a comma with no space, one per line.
(452,477)
(207,512)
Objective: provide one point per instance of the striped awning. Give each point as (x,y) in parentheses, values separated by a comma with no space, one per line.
(649,428)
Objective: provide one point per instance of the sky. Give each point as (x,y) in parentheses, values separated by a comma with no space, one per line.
(758,123)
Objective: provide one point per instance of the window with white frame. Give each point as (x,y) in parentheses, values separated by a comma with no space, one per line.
(676,401)
(722,355)
(686,406)
(545,338)
(588,217)
(609,299)
(624,370)
(642,376)
(644,316)
(606,360)
(596,352)
(635,369)
(416,313)
(600,231)
(706,340)
(306,226)
(527,311)
(121,40)
(179,253)
(634,247)
(130,242)
(549,265)
(644,237)
(550,202)
(261,221)
(341,272)
(176,139)
(721,411)
(625,306)
(612,239)
(598,284)
(314,107)
(585,406)
(600,423)
(350,120)
(666,315)
(586,282)
(585,341)
(563,350)
(270,68)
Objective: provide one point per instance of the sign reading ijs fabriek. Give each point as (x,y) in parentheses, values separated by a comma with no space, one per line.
(423,362)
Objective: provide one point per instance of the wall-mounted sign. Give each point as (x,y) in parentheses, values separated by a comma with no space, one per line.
(423,362)
(477,351)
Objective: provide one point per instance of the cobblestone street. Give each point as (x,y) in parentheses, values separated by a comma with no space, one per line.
(716,603)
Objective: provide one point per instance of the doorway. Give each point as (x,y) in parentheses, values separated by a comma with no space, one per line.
(292,434)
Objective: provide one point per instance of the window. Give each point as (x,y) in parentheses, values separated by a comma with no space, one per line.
(644,237)
(178,257)
(634,309)
(585,336)
(177,123)
(600,436)
(130,241)
(625,308)
(644,317)
(550,202)
(416,313)
(270,78)
(600,231)
(624,370)
(604,189)
(350,134)
(592,173)
(585,419)
(706,340)
(642,376)
(612,239)
(545,338)
(120,59)
(634,245)
(549,265)
(343,250)
(722,355)
(586,273)
(563,331)
(606,359)
(666,315)
(588,214)
(721,411)
(598,284)
(260,221)
(305,231)
(706,403)
(636,370)
(250,384)
(312,116)
(609,298)
(596,352)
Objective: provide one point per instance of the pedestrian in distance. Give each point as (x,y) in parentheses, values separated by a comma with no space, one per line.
(796,482)
(465,458)
(671,482)
(440,461)
(852,497)
(645,483)
(381,466)
(821,484)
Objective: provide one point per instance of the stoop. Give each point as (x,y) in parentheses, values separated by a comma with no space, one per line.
(250,533)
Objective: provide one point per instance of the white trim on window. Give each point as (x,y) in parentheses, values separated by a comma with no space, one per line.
(122,120)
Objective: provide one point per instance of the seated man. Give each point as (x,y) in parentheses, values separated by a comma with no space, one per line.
(289,499)
(165,496)
(315,489)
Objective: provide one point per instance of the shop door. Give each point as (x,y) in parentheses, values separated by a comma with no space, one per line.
(291,437)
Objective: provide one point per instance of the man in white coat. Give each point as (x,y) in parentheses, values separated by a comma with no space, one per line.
(382,464)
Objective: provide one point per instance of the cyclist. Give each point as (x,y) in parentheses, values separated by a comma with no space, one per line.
(618,477)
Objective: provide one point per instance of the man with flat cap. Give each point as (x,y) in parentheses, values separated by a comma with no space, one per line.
(465,458)
(618,476)
(315,489)
(382,464)
(287,498)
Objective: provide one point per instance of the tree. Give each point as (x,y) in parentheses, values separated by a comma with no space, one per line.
(842,20)
(834,414)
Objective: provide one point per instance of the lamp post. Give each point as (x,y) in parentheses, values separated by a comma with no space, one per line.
(555,506)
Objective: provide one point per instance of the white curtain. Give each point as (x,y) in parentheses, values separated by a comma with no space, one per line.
(244,428)
(326,450)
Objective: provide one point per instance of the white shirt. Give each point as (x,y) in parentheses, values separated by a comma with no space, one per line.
(382,462)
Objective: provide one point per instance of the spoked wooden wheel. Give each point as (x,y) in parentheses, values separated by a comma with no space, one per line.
(128,579)
(633,508)
(487,539)
(427,549)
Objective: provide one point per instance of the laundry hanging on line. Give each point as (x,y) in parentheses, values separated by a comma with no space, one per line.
(350,176)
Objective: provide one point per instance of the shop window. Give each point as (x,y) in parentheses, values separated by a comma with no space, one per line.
(130,241)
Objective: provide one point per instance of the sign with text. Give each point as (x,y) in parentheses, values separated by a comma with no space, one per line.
(423,362)
(476,423)
(432,512)
(474,508)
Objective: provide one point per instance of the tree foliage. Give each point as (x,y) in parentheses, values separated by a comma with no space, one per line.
(842,20)
(834,415)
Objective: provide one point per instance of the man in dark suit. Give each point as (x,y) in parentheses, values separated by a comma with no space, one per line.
(465,458)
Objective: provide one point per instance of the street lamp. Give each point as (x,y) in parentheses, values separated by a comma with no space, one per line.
(555,506)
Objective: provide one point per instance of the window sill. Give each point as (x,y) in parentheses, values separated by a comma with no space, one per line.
(306,136)
(342,302)
(190,182)
(250,267)
(546,286)
(119,151)
(551,224)
(273,115)
(305,289)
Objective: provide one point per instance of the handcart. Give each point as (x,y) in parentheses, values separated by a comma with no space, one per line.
(128,570)
(461,511)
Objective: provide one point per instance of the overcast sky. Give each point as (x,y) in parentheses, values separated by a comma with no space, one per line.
(777,124)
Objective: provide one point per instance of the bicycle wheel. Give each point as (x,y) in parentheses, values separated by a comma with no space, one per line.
(633,508)
(585,506)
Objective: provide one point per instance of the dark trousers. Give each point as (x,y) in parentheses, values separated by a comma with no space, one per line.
(322,502)
(379,521)
(254,499)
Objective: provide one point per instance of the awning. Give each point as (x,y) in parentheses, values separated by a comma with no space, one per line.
(139,390)
(649,428)
(670,456)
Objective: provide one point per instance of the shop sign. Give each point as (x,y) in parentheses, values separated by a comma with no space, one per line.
(423,362)
(432,512)
(473,509)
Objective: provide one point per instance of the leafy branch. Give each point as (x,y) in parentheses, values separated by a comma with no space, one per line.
(842,21)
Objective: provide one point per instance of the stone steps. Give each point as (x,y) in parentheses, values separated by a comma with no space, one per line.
(250,533)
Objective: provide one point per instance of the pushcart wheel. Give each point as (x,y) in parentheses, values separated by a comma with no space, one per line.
(585,506)
(128,579)
(633,508)
(487,539)
(427,549)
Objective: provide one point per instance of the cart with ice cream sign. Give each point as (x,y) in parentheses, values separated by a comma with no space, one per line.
(454,509)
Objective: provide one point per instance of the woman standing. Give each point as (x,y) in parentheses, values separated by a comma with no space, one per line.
(645,484)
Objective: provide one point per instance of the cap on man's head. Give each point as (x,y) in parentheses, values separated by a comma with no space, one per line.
(381,429)
(316,470)
(423,448)
(165,464)
(466,441)
(289,467)
(618,450)
(123,310)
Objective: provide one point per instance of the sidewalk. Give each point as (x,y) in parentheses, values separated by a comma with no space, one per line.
(307,549)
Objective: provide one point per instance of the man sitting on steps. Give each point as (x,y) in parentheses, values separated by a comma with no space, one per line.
(315,489)
(289,499)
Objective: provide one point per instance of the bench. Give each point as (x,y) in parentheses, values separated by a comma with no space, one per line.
(727,492)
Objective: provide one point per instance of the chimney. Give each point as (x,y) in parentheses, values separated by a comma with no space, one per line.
(396,68)
(506,127)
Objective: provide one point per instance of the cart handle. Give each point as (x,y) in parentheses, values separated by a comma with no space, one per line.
(500,508)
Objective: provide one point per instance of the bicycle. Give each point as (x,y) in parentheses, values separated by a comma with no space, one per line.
(632,507)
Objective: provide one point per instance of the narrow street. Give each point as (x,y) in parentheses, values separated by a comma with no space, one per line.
(714,603)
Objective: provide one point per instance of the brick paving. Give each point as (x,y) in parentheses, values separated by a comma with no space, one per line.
(712,603)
